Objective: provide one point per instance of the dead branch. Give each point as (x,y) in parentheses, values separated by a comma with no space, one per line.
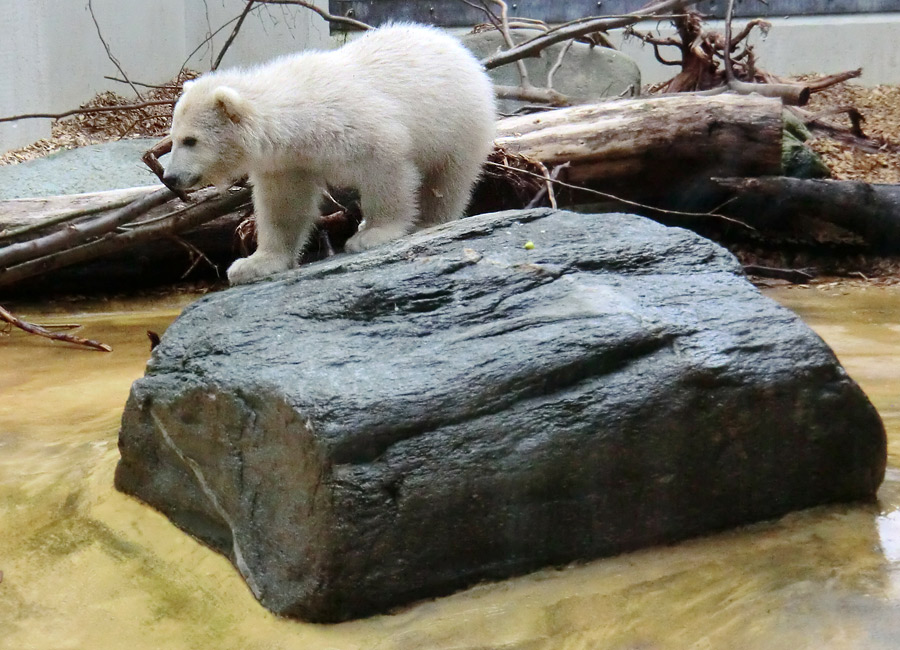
(109,53)
(181,220)
(75,234)
(31,328)
(794,276)
(532,94)
(233,35)
(507,37)
(141,84)
(831,80)
(701,51)
(59,210)
(88,111)
(535,45)
(618,199)
(340,20)
(791,94)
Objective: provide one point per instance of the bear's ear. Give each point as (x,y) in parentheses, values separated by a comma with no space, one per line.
(230,102)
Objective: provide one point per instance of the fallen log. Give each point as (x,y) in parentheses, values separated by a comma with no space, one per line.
(871,211)
(166,226)
(650,148)
(19,218)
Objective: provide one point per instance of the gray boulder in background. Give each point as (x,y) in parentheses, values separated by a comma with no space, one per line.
(587,73)
(450,408)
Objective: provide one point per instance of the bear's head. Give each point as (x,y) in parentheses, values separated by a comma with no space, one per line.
(207,142)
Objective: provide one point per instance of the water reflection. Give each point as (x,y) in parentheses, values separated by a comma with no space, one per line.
(85,567)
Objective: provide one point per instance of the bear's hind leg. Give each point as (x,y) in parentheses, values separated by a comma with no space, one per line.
(446,190)
(389,207)
(286,206)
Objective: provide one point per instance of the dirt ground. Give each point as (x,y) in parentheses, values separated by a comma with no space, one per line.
(880,109)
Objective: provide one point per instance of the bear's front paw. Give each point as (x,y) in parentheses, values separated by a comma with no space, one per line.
(258,265)
(368,238)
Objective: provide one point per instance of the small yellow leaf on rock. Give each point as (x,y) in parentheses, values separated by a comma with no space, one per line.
(529,245)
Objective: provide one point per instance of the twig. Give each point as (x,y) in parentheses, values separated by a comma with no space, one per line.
(89,111)
(546,187)
(233,35)
(532,94)
(206,40)
(794,276)
(507,37)
(195,255)
(558,64)
(31,328)
(109,53)
(142,85)
(548,184)
(618,199)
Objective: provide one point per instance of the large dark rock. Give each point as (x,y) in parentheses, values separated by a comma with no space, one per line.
(384,427)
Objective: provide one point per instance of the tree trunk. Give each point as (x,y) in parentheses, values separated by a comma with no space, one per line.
(868,210)
(649,148)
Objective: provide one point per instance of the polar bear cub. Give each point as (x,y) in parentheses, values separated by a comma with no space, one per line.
(405,114)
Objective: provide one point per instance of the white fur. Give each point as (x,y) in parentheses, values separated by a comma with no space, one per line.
(404,113)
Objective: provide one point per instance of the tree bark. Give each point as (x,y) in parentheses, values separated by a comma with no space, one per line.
(868,210)
(646,147)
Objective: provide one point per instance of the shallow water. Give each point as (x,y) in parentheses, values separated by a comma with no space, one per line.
(85,567)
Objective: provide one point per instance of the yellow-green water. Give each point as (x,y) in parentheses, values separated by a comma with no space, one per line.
(85,567)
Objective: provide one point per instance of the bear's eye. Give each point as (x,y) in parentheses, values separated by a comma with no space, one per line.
(189,142)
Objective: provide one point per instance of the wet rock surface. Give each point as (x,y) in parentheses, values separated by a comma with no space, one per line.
(379,428)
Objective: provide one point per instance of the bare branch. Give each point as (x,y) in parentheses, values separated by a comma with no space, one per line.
(532,94)
(507,36)
(558,64)
(233,35)
(31,328)
(75,234)
(618,199)
(88,111)
(341,20)
(580,29)
(206,40)
(109,53)
(178,221)
(729,68)
(831,80)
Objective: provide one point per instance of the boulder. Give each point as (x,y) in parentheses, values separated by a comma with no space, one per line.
(456,407)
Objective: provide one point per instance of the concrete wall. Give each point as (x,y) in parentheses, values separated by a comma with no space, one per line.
(51,58)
